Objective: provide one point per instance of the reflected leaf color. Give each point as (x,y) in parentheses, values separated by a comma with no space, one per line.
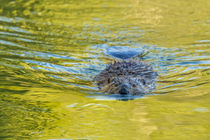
(50,51)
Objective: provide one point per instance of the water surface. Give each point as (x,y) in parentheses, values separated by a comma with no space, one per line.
(50,51)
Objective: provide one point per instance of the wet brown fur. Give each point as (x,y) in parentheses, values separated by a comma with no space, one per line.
(136,76)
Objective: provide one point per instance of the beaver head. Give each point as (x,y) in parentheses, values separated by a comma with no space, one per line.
(127,77)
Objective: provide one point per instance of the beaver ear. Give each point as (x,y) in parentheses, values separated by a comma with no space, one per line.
(143,82)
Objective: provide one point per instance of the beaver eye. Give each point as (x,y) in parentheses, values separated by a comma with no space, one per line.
(108,80)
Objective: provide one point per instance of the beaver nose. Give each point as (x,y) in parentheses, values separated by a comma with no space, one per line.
(123,91)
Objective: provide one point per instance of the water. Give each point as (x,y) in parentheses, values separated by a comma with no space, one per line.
(51,50)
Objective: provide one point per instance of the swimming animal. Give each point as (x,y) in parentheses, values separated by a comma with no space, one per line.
(127,76)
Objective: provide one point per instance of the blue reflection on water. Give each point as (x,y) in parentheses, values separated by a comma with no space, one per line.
(123,52)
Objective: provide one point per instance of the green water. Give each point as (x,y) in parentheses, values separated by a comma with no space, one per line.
(50,51)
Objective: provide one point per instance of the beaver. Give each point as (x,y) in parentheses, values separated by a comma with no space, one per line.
(127,76)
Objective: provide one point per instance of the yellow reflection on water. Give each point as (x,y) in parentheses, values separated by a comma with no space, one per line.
(68,115)
(46,43)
